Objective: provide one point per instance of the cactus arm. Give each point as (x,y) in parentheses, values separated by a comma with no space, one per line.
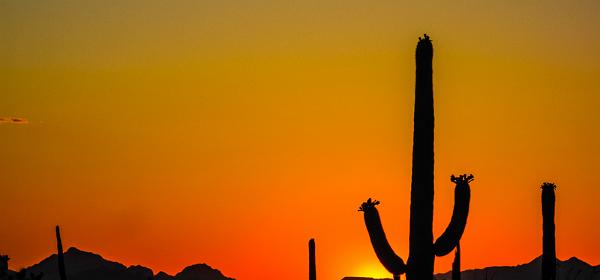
(392,262)
(451,236)
(61,260)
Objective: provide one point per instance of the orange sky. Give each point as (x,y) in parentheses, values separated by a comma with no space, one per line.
(167,133)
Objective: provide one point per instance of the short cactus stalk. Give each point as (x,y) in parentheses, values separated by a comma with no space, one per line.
(4,265)
(312,267)
(61,259)
(456,263)
(422,249)
(549,238)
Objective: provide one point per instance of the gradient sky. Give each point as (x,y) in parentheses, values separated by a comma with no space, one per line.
(167,133)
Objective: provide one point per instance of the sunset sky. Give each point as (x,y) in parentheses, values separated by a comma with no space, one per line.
(168,133)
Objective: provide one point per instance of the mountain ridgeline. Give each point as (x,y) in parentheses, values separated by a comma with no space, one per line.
(83,265)
(571,269)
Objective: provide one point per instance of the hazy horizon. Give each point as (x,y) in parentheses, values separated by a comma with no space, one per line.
(155,272)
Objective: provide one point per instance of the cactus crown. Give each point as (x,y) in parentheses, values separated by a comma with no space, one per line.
(424,48)
(368,205)
(425,39)
(462,179)
(548,185)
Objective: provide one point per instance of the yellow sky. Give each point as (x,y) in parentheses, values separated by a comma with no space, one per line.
(167,133)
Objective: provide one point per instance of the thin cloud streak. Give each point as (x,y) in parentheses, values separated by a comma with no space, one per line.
(13,120)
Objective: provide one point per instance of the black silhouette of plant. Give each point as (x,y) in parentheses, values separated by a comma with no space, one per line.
(61,259)
(456,263)
(549,239)
(422,249)
(4,265)
(312,268)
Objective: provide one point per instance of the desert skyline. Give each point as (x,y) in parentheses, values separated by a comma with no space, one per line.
(166,134)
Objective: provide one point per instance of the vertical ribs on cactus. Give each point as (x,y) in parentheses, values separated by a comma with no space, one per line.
(422,249)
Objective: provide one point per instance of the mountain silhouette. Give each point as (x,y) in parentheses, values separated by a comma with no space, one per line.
(571,269)
(199,272)
(83,265)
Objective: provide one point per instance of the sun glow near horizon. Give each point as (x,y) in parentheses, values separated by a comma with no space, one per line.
(371,269)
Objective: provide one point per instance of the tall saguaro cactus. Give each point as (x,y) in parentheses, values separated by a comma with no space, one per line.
(549,239)
(422,249)
(456,263)
(312,267)
(61,259)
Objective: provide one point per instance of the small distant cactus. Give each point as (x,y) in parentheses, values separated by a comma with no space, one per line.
(4,265)
(422,249)
(61,259)
(456,264)
(549,239)
(312,267)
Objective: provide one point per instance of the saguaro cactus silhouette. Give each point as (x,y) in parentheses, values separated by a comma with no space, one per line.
(422,249)
(312,267)
(456,263)
(549,239)
(61,259)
